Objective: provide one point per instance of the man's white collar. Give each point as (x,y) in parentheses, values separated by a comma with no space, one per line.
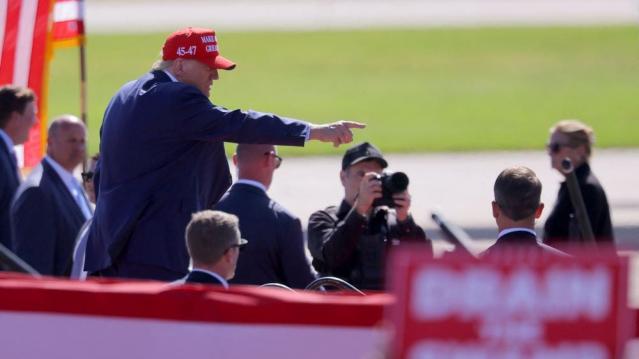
(253,183)
(225,284)
(516,229)
(170,75)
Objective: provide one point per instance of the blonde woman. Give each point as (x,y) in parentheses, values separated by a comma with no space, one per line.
(574,140)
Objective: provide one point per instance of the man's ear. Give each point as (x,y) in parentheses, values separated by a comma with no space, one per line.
(496,209)
(266,161)
(228,256)
(539,210)
(342,176)
(177,67)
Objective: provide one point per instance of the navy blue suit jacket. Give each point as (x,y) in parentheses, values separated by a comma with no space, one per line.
(45,220)
(161,159)
(275,249)
(8,185)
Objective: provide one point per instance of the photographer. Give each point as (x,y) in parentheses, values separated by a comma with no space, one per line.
(351,241)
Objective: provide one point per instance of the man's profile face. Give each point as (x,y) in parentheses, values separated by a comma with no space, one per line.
(353,175)
(68,145)
(198,74)
(24,122)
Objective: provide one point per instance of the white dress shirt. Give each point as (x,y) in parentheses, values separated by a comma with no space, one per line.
(74,187)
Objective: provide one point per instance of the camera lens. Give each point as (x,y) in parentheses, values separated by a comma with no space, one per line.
(397,182)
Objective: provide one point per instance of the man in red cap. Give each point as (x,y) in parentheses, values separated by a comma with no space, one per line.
(162,158)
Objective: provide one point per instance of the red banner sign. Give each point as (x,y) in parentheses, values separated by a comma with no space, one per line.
(528,307)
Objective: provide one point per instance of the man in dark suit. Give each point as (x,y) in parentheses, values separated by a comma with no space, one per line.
(516,207)
(162,158)
(275,252)
(50,206)
(213,242)
(17,115)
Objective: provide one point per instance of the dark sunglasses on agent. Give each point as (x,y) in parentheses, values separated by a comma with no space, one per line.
(240,246)
(278,159)
(87,176)
(555,147)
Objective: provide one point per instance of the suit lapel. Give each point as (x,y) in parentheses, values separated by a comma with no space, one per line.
(61,188)
(9,162)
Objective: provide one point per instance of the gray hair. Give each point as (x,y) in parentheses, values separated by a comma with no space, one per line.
(161,65)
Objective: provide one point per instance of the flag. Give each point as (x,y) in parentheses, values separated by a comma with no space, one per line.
(24,57)
(68,23)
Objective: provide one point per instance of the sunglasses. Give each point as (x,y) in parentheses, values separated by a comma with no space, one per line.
(240,246)
(555,147)
(87,176)
(278,159)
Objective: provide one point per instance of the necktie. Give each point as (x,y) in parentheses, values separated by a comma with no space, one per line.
(81,200)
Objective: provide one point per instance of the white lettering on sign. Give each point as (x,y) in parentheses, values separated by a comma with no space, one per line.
(437,350)
(211,48)
(181,51)
(208,39)
(484,293)
(511,332)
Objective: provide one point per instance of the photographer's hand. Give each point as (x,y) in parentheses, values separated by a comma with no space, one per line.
(369,190)
(402,205)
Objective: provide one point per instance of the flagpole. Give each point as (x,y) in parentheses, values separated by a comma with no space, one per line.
(83,98)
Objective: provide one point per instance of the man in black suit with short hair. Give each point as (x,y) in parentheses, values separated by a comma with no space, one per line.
(516,207)
(17,115)
(275,252)
(214,243)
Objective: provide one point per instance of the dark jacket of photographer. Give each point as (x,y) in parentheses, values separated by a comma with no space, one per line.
(352,247)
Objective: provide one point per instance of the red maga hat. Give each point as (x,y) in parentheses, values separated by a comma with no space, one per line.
(197,44)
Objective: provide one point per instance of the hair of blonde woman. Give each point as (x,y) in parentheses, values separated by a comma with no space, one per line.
(577,133)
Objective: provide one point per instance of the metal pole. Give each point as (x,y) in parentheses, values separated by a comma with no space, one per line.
(83,97)
(578,202)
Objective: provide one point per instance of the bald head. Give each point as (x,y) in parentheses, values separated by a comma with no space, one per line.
(67,141)
(62,123)
(250,153)
(256,162)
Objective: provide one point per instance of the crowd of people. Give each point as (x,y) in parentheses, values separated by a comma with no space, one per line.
(160,204)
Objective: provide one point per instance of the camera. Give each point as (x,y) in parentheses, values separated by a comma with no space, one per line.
(392,183)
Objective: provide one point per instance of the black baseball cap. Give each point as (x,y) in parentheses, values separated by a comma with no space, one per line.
(363,152)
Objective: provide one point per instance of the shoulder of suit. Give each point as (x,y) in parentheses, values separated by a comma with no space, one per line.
(282,211)
(34,179)
(328,212)
(157,81)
